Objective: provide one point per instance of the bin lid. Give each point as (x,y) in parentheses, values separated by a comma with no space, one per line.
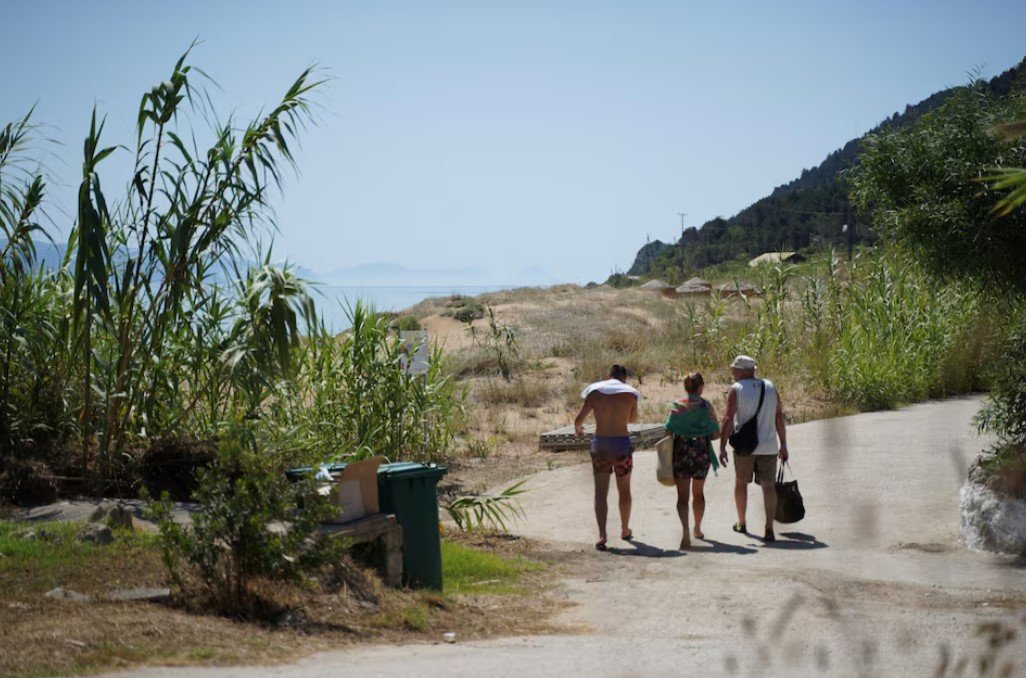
(410,469)
(407,469)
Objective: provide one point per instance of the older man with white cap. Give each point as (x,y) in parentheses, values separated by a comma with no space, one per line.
(753,405)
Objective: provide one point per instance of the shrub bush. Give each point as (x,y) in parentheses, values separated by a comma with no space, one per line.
(252,524)
(464,309)
(405,323)
(1005,412)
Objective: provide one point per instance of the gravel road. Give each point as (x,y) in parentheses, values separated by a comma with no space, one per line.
(872,582)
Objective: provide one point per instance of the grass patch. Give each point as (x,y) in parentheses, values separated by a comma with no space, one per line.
(520,391)
(43,636)
(56,558)
(468,570)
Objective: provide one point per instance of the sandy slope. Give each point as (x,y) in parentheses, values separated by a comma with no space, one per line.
(871,583)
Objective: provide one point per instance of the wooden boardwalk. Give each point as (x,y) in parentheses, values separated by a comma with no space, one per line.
(644,436)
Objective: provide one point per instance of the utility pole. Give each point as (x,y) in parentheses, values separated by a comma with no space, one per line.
(682,215)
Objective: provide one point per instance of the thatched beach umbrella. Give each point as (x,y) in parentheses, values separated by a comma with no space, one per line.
(695,286)
(656,285)
(737,289)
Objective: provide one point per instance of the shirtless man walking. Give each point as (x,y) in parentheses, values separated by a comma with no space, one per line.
(615,404)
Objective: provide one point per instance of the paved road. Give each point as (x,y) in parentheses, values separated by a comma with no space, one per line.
(871,583)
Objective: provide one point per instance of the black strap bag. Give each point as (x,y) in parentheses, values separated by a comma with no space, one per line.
(790,505)
(746,438)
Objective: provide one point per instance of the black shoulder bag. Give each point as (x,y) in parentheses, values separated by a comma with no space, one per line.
(790,505)
(746,438)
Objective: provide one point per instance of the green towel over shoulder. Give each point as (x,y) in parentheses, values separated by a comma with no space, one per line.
(693,418)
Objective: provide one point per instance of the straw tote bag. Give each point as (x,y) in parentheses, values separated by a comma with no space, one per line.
(664,460)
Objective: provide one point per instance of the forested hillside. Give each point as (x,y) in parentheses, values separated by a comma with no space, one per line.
(812,208)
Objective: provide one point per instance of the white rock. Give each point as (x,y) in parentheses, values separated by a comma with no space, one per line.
(990,521)
(60,593)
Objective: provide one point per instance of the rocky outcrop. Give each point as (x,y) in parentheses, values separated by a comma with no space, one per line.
(991,520)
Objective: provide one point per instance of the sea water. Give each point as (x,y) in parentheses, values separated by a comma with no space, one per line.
(333,301)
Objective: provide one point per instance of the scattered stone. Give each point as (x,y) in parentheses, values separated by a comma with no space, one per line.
(95,533)
(76,643)
(121,516)
(449,637)
(151,595)
(114,515)
(289,620)
(61,593)
(17,605)
(28,535)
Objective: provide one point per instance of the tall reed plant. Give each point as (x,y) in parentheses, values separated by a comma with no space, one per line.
(353,396)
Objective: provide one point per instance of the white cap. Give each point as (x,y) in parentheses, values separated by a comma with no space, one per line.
(743,362)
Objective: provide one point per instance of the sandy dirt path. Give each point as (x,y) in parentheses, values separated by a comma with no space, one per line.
(871,583)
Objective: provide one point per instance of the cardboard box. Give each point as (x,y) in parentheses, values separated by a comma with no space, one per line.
(356,490)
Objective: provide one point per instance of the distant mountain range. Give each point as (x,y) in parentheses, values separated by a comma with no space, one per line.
(379,274)
(813,206)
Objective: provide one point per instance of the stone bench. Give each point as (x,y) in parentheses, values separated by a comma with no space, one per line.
(643,436)
(380,527)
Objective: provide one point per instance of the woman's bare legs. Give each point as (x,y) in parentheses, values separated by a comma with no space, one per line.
(683,490)
(698,494)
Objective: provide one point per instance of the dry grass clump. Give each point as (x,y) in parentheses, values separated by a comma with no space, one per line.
(521,391)
(834,336)
(473,361)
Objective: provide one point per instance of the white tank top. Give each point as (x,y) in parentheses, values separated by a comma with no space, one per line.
(747,391)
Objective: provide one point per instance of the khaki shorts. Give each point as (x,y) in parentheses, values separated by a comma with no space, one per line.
(762,467)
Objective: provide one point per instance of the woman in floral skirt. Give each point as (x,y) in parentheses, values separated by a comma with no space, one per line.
(693,425)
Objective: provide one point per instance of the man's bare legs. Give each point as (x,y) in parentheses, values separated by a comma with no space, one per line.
(769,500)
(601,506)
(683,490)
(698,495)
(623,488)
(741,497)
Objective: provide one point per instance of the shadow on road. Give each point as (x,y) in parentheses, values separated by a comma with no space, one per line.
(646,550)
(698,546)
(796,541)
(1019,563)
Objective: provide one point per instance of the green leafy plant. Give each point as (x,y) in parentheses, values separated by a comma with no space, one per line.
(352,396)
(251,524)
(926,187)
(465,309)
(500,341)
(406,323)
(478,512)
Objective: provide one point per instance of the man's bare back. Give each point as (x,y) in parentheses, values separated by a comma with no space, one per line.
(613,411)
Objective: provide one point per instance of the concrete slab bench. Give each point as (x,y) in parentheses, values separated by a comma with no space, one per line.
(380,527)
(644,437)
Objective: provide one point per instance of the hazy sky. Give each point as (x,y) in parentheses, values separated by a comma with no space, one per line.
(511,134)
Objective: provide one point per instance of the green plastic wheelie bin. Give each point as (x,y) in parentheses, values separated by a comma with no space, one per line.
(409,490)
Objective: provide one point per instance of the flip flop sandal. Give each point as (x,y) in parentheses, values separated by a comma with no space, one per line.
(740,527)
(769,536)
(601,546)
(628,536)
